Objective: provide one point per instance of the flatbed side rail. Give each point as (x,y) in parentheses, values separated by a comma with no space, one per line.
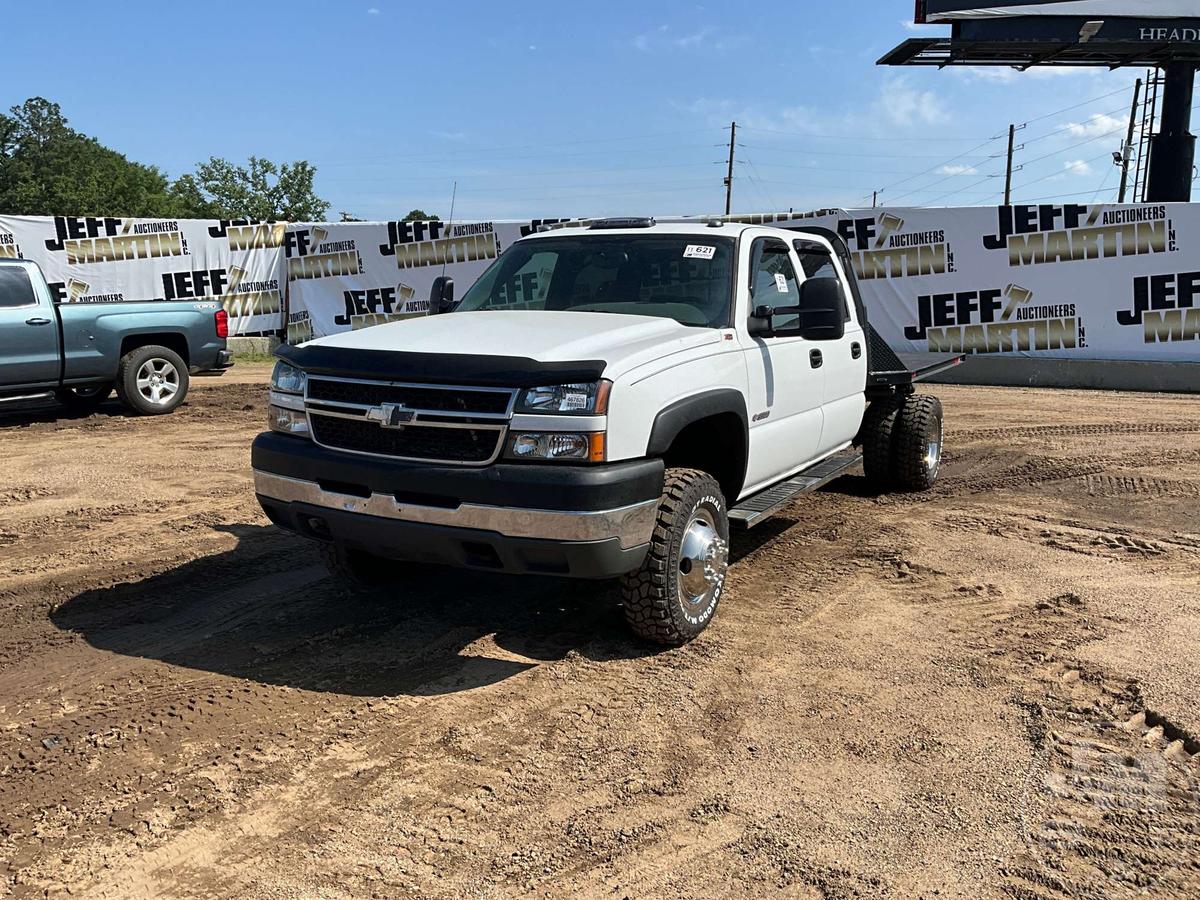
(889,368)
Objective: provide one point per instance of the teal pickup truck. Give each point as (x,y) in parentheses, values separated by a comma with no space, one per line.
(81,351)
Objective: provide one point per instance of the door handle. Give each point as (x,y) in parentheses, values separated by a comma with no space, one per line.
(37,320)
(815,359)
(855,350)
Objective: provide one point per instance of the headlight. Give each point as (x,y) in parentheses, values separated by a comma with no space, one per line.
(288,379)
(572,399)
(287,421)
(568,445)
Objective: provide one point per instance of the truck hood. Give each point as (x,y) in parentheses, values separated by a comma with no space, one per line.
(622,342)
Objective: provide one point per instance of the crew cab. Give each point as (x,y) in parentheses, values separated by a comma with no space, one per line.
(81,351)
(605,401)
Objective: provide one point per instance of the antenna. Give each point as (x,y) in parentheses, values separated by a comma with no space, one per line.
(450,224)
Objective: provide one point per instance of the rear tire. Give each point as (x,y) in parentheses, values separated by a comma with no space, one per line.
(83,399)
(918,443)
(152,380)
(674,595)
(878,442)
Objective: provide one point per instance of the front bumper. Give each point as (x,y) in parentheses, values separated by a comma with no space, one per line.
(581,521)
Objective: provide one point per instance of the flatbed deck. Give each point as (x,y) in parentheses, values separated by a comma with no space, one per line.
(887,368)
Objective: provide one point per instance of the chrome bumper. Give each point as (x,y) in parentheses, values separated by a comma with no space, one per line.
(632,525)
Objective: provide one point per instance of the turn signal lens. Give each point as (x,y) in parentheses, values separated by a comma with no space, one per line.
(222,320)
(559,445)
(287,421)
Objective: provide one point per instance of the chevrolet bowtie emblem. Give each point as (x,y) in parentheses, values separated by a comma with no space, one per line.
(391,415)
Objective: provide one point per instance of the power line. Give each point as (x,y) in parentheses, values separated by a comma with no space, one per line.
(980,146)
(852,137)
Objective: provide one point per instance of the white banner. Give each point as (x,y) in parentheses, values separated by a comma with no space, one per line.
(106,260)
(349,275)
(1065,281)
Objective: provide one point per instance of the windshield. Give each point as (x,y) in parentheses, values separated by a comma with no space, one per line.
(688,278)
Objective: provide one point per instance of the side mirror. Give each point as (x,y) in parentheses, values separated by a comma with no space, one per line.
(759,324)
(441,295)
(822,310)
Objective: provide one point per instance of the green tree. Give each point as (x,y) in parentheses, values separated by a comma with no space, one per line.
(49,169)
(419,215)
(260,190)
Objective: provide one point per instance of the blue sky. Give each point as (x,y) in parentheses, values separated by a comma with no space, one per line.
(563,108)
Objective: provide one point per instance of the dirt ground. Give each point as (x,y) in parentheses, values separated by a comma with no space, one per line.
(988,690)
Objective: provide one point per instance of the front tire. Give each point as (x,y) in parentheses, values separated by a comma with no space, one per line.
(355,568)
(674,595)
(152,380)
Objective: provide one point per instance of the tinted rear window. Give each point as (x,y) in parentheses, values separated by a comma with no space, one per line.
(15,288)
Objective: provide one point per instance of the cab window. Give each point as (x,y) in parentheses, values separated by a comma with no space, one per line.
(16,290)
(817,263)
(775,282)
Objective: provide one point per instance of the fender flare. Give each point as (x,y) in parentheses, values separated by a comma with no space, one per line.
(672,419)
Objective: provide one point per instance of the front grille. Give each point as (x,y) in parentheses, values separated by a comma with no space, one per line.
(465,445)
(437,399)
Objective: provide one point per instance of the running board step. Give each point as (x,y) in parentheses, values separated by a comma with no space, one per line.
(761,506)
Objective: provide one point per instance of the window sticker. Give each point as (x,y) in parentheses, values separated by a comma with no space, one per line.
(698,251)
(780,283)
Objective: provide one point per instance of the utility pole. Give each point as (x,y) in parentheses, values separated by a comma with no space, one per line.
(1127,150)
(1012,130)
(874,199)
(729,173)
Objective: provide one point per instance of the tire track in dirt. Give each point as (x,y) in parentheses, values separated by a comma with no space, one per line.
(1112,802)
(1100,429)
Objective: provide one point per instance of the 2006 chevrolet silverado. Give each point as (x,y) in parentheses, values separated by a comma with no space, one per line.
(603,402)
(80,351)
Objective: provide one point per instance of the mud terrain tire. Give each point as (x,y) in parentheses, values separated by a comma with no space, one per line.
(918,437)
(674,595)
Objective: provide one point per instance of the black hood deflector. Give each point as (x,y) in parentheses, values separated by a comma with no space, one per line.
(438,368)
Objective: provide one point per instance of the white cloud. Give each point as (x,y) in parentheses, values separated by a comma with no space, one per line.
(898,107)
(695,39)
(373,11)
(903,104)
(1077,167)
(910,25)
(1007,74)
(705,38)
(955,169)
(1097,125)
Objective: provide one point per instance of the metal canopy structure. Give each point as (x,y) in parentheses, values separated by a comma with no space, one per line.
(1110,33)
(942,52)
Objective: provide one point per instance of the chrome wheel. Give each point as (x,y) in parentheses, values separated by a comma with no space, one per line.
(703,561)
(158,381)
(933,452)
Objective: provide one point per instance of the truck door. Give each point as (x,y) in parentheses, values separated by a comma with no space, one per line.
(785,379)
(28,332)
(845,358)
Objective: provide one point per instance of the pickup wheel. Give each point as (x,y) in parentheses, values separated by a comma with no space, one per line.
(83,399)
(674,595)
(878,441)
(152,380)
(918,443)
(355,568)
